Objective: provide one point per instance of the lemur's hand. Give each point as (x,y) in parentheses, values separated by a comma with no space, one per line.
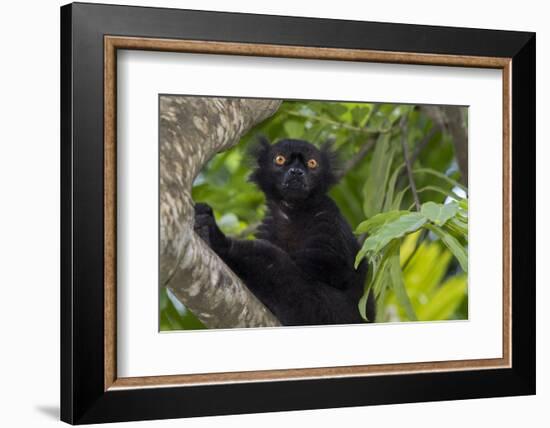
(206,227)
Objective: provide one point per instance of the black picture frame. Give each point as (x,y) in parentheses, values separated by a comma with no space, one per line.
(83,396)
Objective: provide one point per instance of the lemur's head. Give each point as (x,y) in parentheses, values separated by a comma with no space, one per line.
(292,170)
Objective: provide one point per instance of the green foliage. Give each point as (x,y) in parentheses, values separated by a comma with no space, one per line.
(453,245)
(394,229)
(417,259)
(174,315)
(439,214)
(378,176)
(377,221)
(436,290)
(385,233)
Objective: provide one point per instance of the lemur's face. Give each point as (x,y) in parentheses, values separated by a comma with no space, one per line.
(293,170)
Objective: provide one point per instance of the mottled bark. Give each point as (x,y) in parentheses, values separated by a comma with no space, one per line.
(192,131)
(451,119)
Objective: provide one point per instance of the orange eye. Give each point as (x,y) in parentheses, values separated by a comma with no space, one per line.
(280,160)
(312,163)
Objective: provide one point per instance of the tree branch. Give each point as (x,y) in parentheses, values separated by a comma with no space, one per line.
(342,125)
(192,131)
(450,118)
(357,158)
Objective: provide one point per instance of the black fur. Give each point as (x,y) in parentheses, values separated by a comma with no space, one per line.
(301,264)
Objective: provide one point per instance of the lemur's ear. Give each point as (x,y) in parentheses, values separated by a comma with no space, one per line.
(328,147)
(263,142)
(258,153)
(259,149)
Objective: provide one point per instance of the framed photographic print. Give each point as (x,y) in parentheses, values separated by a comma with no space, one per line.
(264,213)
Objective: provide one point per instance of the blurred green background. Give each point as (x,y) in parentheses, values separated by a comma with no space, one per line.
(417,252)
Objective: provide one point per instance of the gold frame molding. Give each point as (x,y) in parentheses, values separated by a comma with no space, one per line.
(113,43)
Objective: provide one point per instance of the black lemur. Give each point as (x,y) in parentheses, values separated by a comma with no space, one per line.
(301,263)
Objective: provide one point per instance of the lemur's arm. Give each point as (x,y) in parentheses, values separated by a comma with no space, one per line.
(249,259)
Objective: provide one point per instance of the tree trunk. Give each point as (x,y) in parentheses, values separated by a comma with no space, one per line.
(192,131)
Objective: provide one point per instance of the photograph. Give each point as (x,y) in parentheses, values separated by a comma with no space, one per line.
(273,212)
(312,212)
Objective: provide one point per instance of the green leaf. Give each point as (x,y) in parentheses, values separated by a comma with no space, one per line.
(452,244)
(395,229)
(399,198)
(375,222)
(444,302)
(375,185)
(362,304)
(360,115)
(294,129)
(399,111)
(377,277)
(408,247)
(174,315)
(381,276)
(335,109)
(437,189)
(399,287)
(460,223)
(426,269)
(440,175)
(457,229)
(381,305)
(439,213)
(382,282)
(389,202)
